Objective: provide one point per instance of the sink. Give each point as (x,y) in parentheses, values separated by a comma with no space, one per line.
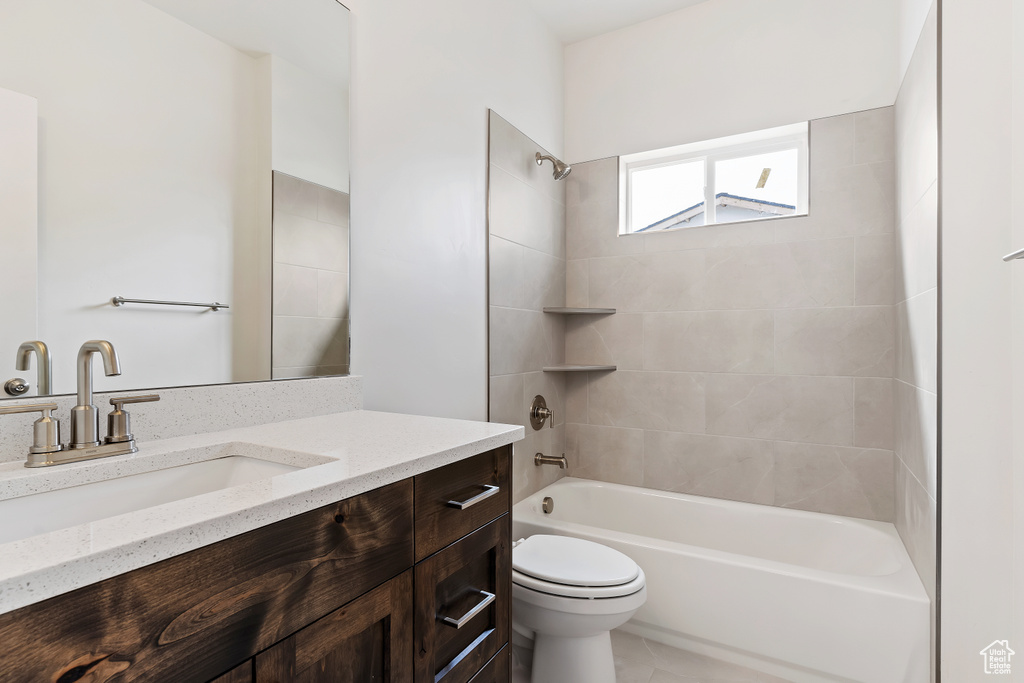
(41,513)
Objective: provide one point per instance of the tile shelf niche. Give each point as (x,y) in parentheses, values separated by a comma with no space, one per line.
(578,311)
(568,367)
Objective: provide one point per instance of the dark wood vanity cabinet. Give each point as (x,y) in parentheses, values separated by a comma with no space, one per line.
(338,594)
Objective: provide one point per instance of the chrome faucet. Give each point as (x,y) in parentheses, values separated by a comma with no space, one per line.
(44,366)
(47,448)
(85,418)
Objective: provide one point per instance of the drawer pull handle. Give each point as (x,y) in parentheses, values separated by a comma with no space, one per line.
(480,607)
(489,491)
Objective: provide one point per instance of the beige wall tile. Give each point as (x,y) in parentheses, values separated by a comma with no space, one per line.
(295,290)
(842,481)
(800,274)
(708,341)
(294,196)
(874,270)
(524,341)
(835,341)
(720,467)
(506,399)
(917,259)
(833,143)
(515,153)
(592,180)
(506,278)
(846,201)
(915,520)
(671,401)
(606,340)
(300,241)
(874,413)
(331,294)
(577,283)
(916,433)
(521,214)
(672,281)
(544,280)
(592,229)
(577,386)
(804,409)
(875,135)
(605,453)
(727,235)
(917,341)
(332,207)
(309,342)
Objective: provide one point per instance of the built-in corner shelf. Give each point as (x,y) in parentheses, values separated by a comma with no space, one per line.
(580,368)
(578,311)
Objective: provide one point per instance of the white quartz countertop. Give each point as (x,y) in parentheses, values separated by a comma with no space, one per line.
(343,455)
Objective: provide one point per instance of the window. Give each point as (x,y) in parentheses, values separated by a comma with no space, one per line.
(729,180)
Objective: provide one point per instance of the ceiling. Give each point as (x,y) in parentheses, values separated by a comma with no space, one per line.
(574,20)
(311,34)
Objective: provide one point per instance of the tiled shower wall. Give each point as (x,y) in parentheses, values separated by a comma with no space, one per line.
(526,218)
(310,283)
(755,361)
(916,382)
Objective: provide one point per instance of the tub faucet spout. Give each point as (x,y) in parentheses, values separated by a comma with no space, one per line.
(541,459)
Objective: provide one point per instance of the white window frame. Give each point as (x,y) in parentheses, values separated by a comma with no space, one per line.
(710,152)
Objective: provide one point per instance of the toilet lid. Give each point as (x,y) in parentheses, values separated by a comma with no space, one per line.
(572,562)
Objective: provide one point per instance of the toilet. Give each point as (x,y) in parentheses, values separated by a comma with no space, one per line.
(567,595)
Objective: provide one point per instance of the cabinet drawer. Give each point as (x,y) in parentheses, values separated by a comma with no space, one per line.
(462,605)
(455,500)
(498,670)
(369,639)
(197,615)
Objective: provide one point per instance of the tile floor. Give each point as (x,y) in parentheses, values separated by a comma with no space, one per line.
(638,660)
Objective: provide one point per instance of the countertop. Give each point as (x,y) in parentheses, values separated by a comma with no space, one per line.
(343,455)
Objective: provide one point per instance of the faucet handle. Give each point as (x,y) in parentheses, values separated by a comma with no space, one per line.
(45,430)
(119,420)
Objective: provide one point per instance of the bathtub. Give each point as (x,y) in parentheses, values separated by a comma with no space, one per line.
(805,596)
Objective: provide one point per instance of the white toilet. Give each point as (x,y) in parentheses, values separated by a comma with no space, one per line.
(567,594)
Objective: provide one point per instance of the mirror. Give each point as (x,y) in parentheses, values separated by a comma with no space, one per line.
(177,154)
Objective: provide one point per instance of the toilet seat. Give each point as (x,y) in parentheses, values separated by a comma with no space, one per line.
(579,592)
(574,568)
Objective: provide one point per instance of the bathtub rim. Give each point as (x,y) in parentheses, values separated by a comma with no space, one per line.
(903,583)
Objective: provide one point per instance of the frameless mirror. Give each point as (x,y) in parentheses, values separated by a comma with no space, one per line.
(174,179)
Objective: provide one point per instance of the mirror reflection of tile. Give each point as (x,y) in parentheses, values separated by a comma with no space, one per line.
(310,281)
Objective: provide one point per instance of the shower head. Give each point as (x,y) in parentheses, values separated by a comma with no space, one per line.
(561,169)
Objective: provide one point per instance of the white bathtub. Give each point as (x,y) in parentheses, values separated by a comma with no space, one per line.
(806,596)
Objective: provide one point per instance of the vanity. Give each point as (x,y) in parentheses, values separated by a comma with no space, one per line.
(374,547)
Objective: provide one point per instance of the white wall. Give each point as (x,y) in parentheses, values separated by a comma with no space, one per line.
(309,125)
(121,178)
(727,66)
(911,17)
(424,76)
(19,167)
(977,176)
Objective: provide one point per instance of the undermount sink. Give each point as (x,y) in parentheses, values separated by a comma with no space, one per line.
(41,513)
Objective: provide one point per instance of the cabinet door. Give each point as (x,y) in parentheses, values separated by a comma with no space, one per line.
(462,605)
(367,640)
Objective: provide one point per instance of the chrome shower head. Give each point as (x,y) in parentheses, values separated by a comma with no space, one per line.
(561,169)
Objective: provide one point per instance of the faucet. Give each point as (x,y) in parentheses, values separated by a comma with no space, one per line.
(47,448)
(44,366)
(85,420)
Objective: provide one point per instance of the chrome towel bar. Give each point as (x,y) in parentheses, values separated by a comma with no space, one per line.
(120,300)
